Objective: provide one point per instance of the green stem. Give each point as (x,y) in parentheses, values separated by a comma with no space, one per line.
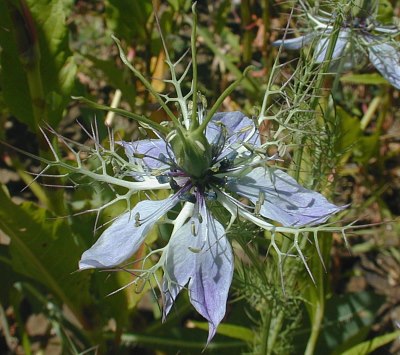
(298,155)
(194,122)
(246,34)
(273,336)
(265,332)
(316,328)
(222,97)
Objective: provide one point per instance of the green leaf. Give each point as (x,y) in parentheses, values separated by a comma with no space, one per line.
(353,140)
(53,79)
(43,249)
(364,79)
(181,346)
(230,330)
(128,19)
(369,346)
(347,320)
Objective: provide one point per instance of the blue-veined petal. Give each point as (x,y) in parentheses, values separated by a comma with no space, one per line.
(322,46)
(284,200)
(150,149)
(295,43)
(230,130)
(180,261)
(386,60)
(125,235)
(200,254)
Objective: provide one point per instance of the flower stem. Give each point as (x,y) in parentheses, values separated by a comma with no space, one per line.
(223,96)
(194,121)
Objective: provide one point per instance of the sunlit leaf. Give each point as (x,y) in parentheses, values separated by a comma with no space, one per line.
(364,79)
(57,69)
(369,346)
(230,330)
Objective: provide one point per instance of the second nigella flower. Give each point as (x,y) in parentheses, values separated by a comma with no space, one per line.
(357,36)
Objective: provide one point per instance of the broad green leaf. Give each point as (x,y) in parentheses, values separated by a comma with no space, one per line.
(7,275)
(43,249)
(230,330)
(14,83)
(350,130)
(385,12)
(369,346)
(353,141)
(364,79)
(54,78)
(348,319)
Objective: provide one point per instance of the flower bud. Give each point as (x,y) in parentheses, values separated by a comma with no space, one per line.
(193,154)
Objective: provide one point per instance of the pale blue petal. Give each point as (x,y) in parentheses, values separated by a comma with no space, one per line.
(123,238)
(230,130)
(208,288)
(386,60)
(285,201)
(295,43)
(322,46)
(148,150)
(199,253)
(180,262)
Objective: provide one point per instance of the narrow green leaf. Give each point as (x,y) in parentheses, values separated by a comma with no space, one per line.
(230,330)
(369,346)
(160,341)
(364,79)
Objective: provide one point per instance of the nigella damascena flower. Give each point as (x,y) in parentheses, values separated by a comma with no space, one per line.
(215,165)
(356,37)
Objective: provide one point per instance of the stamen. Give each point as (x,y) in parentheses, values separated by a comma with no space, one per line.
(210,195)
(142,131)
(245,129)
(137,219)
(170,136)
(162,179)
(193,229)
(261,197)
